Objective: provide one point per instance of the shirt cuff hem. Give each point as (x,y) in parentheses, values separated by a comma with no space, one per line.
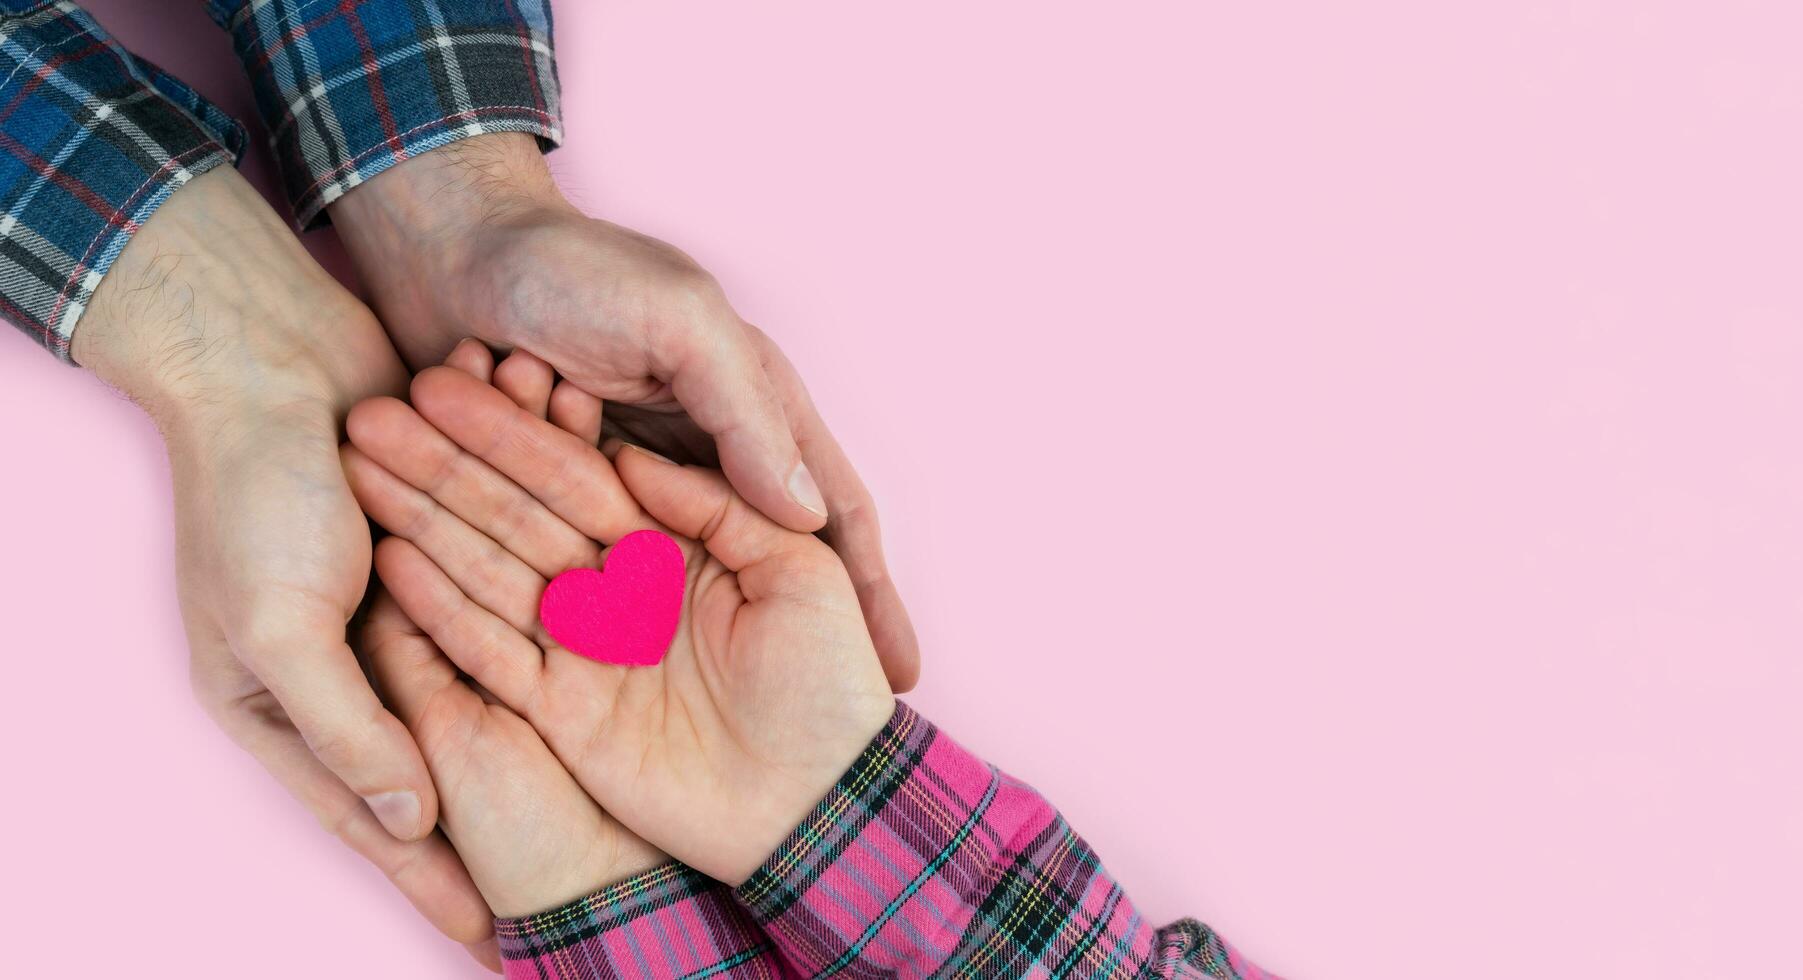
(311,202)
(672,919)
(352,89)
(78,291)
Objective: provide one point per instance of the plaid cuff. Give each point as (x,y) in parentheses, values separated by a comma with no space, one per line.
(926,861)
(92,140)
(669,922)
(348,89)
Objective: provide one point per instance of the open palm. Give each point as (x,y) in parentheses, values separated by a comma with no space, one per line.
(486,762)
(771,686)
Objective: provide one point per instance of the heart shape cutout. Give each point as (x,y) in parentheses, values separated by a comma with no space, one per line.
(626,614)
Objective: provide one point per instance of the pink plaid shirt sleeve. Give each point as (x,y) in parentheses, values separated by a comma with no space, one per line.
(923,861)
(667,923)
(926,861)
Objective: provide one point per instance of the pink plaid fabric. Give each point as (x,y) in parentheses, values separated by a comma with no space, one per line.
(924,861)
(667,923)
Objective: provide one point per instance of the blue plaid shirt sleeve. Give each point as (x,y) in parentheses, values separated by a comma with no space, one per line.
(349,88)
(92,140)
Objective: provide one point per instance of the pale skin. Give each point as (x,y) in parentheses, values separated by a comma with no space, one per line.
(248,355)
(531,838)
(476,240)
(769,691)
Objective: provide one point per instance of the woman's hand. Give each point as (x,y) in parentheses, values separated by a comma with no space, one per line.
(771,687)
(531,838)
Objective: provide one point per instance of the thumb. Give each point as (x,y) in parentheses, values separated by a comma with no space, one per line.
(723,387)
(304,661)
(769,559)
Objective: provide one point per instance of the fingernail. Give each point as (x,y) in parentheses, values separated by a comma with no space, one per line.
(805,491)
(398,811)
(661,459)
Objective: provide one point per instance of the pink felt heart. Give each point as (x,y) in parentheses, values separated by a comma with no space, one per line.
(626,614)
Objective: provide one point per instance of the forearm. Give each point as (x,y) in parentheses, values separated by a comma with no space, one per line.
(215,306)
(94,142)
(924,860)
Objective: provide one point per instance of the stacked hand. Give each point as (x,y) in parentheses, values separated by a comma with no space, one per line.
(249,356)
(474,240)
(768,693)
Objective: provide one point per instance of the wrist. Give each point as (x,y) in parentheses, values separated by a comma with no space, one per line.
(214,307)
(416,230)
(769,822)
(432,197)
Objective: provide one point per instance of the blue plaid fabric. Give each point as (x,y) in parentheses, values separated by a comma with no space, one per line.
(93,139)
(349,88)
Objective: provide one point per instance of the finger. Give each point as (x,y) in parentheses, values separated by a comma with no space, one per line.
(398,440)
(699,503)
(410,671)
(853,529)
(296,648)
(472,357)
(565,473)
(480,643)
(527,380)
(427,871)
(482,569)
(577,412)
(722,386)
(424,688)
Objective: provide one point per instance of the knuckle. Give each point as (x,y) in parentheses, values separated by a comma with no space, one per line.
(692,289)
(488,572)
(561,481)
(854,531)
(342,820)
(448,465)
(264,631)
(728,511)
(340,751)
(760,340)
(511,517)
(416,517)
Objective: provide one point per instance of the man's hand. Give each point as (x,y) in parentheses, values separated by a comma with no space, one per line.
(771,686)
(474,239)
(247,354)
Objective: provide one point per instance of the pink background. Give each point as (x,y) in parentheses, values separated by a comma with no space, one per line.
(1361,439)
